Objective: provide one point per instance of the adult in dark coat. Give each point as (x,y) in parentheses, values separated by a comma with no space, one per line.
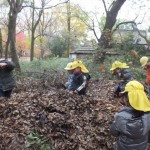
(132,124)
(7,79)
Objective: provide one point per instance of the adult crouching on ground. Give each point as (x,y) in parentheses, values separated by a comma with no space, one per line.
(7,79)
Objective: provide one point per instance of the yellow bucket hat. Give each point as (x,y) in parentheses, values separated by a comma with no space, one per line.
(137,97)
(118,64)
(78,63)
(143,60)
(69,66)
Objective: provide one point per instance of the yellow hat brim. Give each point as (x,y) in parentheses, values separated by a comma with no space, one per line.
(119,67)
(118,64)
(76,64)
(67,69)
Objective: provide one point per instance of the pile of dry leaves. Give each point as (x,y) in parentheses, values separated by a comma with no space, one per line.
(42,115)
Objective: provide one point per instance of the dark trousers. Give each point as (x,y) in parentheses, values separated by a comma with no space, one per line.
(6,94)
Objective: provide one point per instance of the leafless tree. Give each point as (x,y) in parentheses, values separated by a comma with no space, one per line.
(111,15)
(1,47)
(36,19)
(14,8)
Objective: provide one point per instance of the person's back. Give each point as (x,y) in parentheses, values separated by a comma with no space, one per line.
(132,124)
(133,131)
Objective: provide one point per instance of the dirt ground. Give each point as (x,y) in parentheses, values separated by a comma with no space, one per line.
(41,113)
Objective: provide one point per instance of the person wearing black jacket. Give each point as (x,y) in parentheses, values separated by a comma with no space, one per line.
(123,75)
(78,82)
(7,79)
(131,125)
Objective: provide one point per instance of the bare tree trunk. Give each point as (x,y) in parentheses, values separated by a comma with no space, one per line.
(69,27)
(41,48)
(15,8)
(7,44)
(32,45)
(34,25)
(12,29)
(1,46)
(35,22)
(32,34)
(111,15)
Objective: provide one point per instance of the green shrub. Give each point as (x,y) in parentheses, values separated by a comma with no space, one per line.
(139,73)
(56,66)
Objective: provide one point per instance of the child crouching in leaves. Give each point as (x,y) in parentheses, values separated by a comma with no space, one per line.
(122,73)
(145,62)
(132,124)
(79,79)
(70,72)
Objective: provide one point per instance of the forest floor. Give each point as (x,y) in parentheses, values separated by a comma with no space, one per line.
(42,115)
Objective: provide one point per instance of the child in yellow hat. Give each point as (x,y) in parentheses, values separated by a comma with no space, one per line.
(132,124)
(122,73)
(145,62)
(70,72)
(80,78)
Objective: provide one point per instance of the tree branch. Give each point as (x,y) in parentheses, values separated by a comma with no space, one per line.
(126,22)
(105,6)
(144,37)
(134,25)
(46,7)
(94,31)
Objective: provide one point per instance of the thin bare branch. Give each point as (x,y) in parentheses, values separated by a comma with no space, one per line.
(121,23)
(93,29)
(105,6)
(134,25)
(144,37)
(49,7)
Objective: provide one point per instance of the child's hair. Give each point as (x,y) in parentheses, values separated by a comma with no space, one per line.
(137,113)
(126,95)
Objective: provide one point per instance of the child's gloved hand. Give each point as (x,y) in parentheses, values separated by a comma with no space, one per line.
(75,92)
(2,65)
(70,92)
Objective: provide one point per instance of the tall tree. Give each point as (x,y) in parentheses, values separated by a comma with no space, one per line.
(43,29)
(36,19)
(68,26)
(111,15)
(35,22)
(1,47)
(15,7)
